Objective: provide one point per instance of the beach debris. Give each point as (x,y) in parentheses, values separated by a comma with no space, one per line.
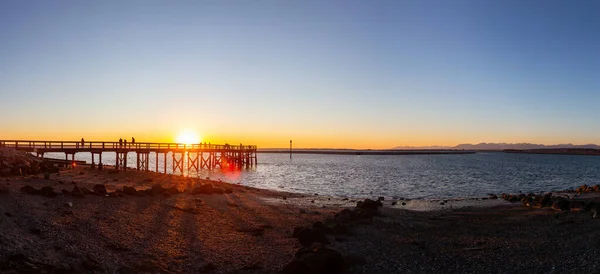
(394,203)
(69,204)
(403,203)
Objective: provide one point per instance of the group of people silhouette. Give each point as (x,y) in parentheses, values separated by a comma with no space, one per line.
(123,142)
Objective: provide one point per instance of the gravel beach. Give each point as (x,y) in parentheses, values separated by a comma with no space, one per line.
(251,230)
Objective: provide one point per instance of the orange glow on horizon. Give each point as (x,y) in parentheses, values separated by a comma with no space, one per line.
(188,137)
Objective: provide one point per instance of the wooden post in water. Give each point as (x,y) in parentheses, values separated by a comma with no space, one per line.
(165,162)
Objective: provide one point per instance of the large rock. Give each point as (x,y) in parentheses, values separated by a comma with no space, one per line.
(582,188)
(307,236)
(369,204)
(157,189)
(546,200)
(129,190)
(562,204)
(48,191)
(304,236)
(19,162)
(100,189)
(30,190)
(204,189)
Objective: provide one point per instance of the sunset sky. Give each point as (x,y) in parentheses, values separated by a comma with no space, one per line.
(337,74)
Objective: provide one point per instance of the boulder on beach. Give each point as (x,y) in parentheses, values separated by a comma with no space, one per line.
(369,204)
(562,204)
(48,191)
(207,189)
(29,190)
(157,189)
(100,189)
(129,190)
(13,162)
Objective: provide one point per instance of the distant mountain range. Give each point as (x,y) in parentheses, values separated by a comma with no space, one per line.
(500,146)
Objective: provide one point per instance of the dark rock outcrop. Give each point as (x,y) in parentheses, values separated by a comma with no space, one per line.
(562,204)
(30,190)
(100,189)
(129,190)
(48,191)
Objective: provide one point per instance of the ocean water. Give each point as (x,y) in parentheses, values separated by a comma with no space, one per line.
(407,176)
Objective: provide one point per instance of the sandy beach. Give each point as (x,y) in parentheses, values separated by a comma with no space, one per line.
(252,230)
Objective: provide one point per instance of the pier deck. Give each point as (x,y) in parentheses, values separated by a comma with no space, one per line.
(197,156)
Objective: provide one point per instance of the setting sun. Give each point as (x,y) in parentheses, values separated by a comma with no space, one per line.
(188,137)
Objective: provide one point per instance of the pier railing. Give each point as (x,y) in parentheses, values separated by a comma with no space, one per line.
(197,156)
(117,145)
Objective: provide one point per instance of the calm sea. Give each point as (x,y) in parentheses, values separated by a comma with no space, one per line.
(408,176)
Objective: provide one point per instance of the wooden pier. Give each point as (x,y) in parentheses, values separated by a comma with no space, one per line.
(197,156)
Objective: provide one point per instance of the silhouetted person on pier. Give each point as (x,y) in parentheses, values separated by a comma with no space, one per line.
(132,140)
(82,143)
(120,142)
(125,143)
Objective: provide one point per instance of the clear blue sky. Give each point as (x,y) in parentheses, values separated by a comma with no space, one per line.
(363,74)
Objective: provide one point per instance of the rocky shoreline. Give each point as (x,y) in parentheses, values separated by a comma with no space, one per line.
(103,221)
